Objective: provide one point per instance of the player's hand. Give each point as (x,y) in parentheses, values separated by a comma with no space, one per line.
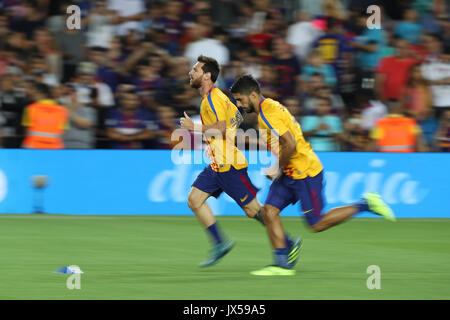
(187,123)
(273,173)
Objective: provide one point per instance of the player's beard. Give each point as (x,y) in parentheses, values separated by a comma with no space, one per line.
(195,83)
(251,107)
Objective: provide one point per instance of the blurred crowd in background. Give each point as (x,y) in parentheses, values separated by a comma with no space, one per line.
(123,76)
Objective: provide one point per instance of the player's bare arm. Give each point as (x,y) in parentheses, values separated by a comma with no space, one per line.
(287,149)
(287,146)
(188,124)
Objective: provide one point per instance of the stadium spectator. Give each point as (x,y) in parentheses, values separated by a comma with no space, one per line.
(417,99)
(72,45)
(260,40)
(333,46)
(396,133)
(142,43)
(18,48)
(180,95)
(234,70)
(408,28)
(44,44)
(225,12)
(313,7)
(31,20)
(101,23)
(427,17)
(44,120)
(443,133)
(442,9)
(392,73)
(57,21)
(355,138)
(323,130)
(371,110)
(90,90)
(205,44)
(324,92)
(130,12)
(268,81)
(127,125)
(369,49)
(172,25)
(294,107)
(166,126)
(288,67)
(309,90)
(334,9)
(389,49)
(40,71)
(429,126)
(82,121)
(302,35)
(348,84)
(12,100)
(256,12)
(4,29)
(2,122)
(251,62)
(315,65)
(436,70)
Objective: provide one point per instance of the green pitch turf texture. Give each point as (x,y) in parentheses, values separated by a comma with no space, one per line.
(156,257)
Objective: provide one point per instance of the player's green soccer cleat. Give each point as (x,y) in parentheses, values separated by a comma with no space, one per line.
(273,271)
(378,206)
(217,252)
(294,251)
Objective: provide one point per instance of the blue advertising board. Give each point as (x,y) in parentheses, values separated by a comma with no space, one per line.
(137,182)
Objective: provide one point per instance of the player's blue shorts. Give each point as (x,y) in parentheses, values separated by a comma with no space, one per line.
(308,191)
(235,183)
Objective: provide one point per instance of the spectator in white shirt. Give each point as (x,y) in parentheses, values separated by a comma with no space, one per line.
(206,45)
(101,23)
(436,71)
(132,11)
(302,35)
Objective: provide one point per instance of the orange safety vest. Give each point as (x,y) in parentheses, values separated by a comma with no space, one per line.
(46,122)
(397,134)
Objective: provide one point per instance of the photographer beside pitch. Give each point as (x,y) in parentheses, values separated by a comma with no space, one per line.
(297,177)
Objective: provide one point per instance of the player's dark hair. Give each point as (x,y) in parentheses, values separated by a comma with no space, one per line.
(245,84)
(210,65)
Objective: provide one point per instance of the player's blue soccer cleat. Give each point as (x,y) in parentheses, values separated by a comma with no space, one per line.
(273,271)
(378,206)
(217,252)
(294,250)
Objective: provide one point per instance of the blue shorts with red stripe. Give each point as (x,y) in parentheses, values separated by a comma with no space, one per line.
(235,183)
(308,191)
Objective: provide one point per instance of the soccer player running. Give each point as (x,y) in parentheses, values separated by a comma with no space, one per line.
(298,176)
(228,168)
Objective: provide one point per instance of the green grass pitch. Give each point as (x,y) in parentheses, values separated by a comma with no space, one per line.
(156,257)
